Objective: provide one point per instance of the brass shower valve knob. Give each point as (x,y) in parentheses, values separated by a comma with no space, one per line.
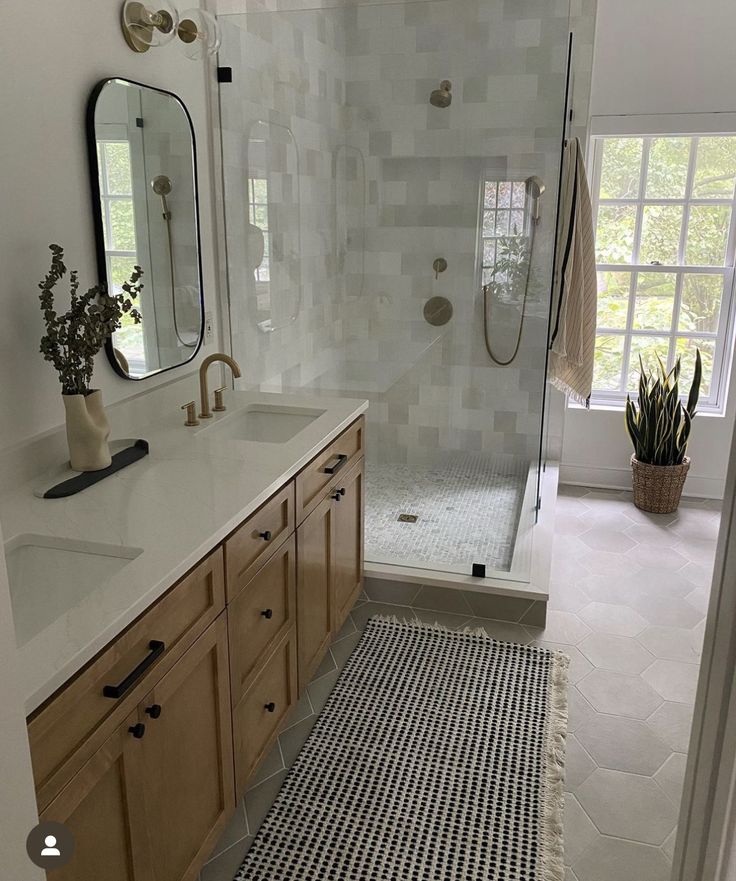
(439,265)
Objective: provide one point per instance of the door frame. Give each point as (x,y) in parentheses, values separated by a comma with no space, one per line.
(706,842)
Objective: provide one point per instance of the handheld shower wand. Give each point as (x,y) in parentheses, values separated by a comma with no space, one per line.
(162,186)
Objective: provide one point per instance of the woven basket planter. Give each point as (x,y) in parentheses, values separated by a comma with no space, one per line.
(657,488)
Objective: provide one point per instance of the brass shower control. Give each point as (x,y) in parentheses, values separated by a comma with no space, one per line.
(439,265)
(191,409)
(219,403)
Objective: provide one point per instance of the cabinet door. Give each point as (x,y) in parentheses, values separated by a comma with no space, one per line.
(314,593)
(188,759)
(102,808)
(347,545)
(263,708)
(260,615)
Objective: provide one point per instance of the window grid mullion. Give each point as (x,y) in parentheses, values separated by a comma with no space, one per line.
(634,278)
(681,248)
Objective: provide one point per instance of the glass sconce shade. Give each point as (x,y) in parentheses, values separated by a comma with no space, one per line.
(145,26)
(199,34)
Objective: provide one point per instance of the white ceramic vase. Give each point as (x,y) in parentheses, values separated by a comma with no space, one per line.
(87,431)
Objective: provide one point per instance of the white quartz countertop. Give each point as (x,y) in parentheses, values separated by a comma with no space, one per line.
(176,504)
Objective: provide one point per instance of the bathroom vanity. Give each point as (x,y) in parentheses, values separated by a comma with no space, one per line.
(145,748)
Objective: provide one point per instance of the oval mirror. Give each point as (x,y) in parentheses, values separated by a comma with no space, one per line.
(144,186)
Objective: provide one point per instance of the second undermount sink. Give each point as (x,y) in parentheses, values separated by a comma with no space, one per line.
(49,576)
(265,423)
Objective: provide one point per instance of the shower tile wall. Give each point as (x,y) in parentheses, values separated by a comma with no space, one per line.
(394,183)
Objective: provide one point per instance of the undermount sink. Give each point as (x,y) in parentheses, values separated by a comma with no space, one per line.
(265,423)
(49,576)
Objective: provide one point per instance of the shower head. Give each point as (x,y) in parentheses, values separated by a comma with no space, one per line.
(534,188)
(442,97)
(161,185)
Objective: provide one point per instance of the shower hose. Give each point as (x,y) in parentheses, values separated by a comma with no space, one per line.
(486,307)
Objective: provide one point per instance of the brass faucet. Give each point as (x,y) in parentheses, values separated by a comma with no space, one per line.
(204,394)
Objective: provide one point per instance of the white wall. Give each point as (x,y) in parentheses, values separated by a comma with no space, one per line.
(656,57)
(49,65)
(18,804)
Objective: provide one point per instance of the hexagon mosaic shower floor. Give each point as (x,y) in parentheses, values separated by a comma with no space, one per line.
(628,599)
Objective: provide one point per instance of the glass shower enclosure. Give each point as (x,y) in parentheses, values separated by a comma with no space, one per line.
(390,181)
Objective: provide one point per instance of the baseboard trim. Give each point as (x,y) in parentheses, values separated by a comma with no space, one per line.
(696,486)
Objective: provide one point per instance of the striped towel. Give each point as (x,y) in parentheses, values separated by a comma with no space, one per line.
(575,289)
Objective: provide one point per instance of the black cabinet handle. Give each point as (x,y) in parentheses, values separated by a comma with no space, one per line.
(340,460)
(266,536)
(154,711)
(267,613)
(157,648)
(137,730)
(270,707)
(338,494)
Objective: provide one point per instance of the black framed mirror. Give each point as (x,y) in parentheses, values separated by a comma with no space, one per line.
(143,166)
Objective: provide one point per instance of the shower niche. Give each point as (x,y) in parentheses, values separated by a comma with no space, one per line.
(145,207)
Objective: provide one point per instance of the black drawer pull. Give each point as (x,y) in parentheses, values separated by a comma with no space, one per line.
(154,711)
(270,707)
(338,494)
(116,691)
(266,536)
(137,730)
(341,459)
(267,613)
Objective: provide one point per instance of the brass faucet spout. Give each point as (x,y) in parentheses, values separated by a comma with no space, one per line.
(204,395)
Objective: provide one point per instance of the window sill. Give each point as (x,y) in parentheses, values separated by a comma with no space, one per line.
(615,407)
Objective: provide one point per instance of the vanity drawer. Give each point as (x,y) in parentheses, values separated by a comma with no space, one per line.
(326,468)
(74,723)
(258,716)
(257,538)
(260,615)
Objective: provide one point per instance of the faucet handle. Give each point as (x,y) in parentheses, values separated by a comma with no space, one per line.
(191,413)
(219,403)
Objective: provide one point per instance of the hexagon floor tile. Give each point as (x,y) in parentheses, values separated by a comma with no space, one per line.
(612,859)
(619,653)
(623,744)
(619,694)
(612,618)
(627,806)
(674,680)
(672,723)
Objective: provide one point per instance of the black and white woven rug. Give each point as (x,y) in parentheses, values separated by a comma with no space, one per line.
(438,757)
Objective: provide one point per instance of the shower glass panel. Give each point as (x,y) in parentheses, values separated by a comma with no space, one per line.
(376,160)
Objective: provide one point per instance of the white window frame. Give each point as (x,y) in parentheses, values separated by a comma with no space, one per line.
(689,125)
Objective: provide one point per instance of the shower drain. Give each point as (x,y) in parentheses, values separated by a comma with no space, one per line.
(407,518)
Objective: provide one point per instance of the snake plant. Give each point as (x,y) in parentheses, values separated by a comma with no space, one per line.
(659,425)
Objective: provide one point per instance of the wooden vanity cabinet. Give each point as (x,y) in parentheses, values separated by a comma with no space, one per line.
(153,800)
(146,778)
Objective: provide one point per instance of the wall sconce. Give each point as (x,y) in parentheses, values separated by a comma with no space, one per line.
(144,27)
(199,34)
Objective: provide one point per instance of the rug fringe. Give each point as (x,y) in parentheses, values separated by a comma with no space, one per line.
(553,866)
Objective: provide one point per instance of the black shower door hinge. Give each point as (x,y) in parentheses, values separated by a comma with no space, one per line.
(479,570)
(224,74)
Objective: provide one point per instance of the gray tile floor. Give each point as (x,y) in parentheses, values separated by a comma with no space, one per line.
(628,600)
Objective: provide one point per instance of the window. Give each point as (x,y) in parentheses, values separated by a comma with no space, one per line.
(121,254)
(665,255)
(504,219)
(258,216)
